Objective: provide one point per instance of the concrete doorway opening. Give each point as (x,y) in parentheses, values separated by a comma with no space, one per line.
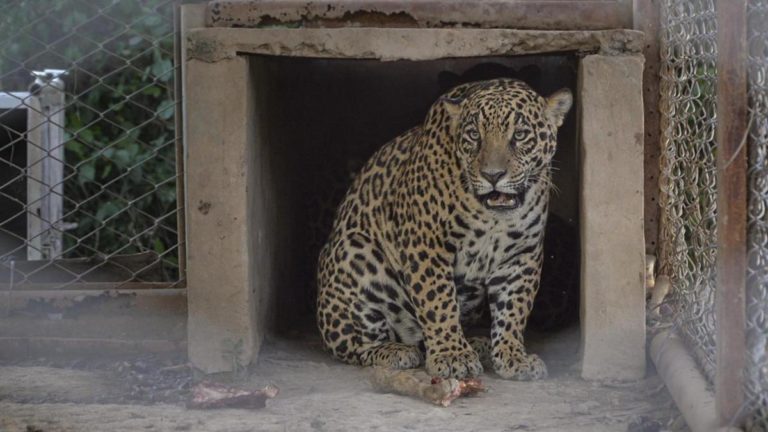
(346,110)
(274,116)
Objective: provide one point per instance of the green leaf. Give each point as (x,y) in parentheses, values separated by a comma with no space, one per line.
(152,21)
(133,149)
(106,170)
(160,140)
(122,158)
(75,147)
(107,210)
(74,122)
(86,173)
(161,69)
(166,109)
(86,135)
(135,175)
(159,246)
(167,193)
(153,91)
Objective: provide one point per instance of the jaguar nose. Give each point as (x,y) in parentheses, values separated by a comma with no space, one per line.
(493,175)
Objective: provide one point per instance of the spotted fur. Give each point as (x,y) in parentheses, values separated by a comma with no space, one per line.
(446,219)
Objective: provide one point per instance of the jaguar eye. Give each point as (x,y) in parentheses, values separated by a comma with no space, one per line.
(520,135)
(474,135)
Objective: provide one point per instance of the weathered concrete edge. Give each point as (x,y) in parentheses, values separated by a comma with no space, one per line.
(419,13)
(216,44)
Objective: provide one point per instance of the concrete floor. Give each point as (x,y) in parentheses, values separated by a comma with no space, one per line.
(318,394)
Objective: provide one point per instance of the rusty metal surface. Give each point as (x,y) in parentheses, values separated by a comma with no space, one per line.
(562,15)
(732,114)
(647,19)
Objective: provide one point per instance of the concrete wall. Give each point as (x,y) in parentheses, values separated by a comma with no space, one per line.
(612,235)
(219,172)
(237,191)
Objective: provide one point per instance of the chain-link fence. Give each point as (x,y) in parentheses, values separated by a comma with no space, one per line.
(688,242)
(88,153)
(688,175)
(757,246)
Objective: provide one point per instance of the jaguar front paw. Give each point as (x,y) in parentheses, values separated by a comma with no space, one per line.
(392,355)
(459,365)
(517,365)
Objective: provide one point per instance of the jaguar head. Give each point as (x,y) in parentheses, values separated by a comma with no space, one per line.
(505,138)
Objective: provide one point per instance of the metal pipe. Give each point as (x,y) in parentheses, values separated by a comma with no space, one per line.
(685,383)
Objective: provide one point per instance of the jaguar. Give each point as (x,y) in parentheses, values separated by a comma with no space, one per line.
(443,222)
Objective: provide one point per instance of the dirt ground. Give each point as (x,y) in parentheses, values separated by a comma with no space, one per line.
(318,394)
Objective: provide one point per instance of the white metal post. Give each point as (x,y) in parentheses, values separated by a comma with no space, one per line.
(45,165)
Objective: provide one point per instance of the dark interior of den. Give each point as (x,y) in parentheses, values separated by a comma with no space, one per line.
(13,187)
(319,120)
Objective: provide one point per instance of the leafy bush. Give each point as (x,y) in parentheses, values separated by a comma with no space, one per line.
(120,151)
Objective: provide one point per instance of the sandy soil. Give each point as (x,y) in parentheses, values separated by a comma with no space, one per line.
(317,394)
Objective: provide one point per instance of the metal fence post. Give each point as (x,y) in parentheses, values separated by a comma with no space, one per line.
(45,165)
(732,114)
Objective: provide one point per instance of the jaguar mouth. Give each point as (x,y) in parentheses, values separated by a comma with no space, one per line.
(496,200)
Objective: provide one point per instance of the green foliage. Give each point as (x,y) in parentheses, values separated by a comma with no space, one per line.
(120,186)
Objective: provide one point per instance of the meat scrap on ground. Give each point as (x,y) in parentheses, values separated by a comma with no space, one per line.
(418,384)
(207,395)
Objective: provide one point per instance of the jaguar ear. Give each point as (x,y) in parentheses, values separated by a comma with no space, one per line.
(451,102)
(558,105)
(452,107)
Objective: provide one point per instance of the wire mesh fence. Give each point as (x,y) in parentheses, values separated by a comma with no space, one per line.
(88,152)
(687,244)
(688,240)
(756,378)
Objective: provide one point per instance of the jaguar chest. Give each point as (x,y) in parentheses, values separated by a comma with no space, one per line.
(488,248)
(479,252)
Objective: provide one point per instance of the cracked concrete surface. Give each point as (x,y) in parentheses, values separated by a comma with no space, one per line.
(416,13)
(216,44)
(319,394)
